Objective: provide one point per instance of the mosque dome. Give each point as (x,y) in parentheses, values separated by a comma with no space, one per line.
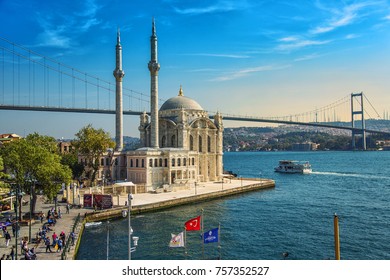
(180,102)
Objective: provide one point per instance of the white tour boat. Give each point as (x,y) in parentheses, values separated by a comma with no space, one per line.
(293,166)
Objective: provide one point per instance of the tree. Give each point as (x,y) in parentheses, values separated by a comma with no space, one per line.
(35,164)
(91,144)
(3,175)
(71,159)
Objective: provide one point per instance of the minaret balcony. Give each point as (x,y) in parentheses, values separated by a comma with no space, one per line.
(153,66)
(119,74)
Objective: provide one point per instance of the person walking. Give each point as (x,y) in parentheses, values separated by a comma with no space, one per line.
(7,238)
(67,208)
(14,229)
(48,245)
(12,254)
(60,244)
(42,217)
(54,236)
(72,237)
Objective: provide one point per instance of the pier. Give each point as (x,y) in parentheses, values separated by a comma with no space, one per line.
(149,202)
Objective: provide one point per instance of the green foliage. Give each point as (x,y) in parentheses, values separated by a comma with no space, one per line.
(71,160)
(3,176)
(91,144)
(34,163)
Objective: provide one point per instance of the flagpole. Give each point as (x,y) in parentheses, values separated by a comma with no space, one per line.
(219,240)
(185,243)
(202,236)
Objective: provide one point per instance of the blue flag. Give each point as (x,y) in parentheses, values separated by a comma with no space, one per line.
(210,236)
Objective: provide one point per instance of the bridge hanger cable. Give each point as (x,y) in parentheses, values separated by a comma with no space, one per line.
(62,65)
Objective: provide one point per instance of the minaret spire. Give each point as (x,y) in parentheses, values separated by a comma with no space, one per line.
(153,28)
(118,37)
(118,74)
(154,67)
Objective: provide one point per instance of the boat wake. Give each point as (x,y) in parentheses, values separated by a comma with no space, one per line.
(365,176)
(93,224)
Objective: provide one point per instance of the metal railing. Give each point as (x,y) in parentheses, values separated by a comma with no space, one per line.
(68,244)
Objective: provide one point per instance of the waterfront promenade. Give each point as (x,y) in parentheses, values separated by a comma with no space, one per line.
(140,203)
(63,224)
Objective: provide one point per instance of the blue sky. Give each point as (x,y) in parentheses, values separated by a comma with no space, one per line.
(262,58)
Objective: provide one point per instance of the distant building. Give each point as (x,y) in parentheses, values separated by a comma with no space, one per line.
(64,147)
(4,138)
(307,146)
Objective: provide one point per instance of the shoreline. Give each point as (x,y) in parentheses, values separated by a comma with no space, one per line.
(142,203)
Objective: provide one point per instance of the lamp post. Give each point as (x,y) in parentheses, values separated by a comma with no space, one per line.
(16,220)
(108,236)
(29,224)
(135,238)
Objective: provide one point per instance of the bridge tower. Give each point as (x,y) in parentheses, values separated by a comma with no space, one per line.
(154,67)
(119,74)
(353,114)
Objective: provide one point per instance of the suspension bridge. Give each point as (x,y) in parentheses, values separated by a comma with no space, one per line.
(33,82)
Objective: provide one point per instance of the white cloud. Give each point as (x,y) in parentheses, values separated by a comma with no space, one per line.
(244,72)
(221,6)
(61,30)
(221,55)
(90,10)
(302,43)
(351,36)
(289,39)
(307,57)
(341,17)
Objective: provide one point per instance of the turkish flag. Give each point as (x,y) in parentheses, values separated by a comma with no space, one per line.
(193,224)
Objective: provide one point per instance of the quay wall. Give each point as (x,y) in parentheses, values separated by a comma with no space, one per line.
(156,206)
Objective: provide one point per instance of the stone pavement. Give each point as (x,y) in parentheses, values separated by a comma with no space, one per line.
(63,224)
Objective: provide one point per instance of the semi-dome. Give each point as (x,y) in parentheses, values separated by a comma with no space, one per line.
(180,102)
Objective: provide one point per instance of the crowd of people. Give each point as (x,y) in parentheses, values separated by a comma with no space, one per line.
(54,244)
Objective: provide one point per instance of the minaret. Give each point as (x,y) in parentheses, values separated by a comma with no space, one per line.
(153,66)
(118,74)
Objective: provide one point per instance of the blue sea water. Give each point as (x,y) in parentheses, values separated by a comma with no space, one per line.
(296,216)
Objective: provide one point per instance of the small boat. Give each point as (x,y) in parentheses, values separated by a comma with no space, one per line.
(293,166)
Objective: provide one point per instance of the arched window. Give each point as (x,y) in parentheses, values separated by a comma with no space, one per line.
(160,162)
(102,162)
(151,162)
(131,162)
(165,162)
(155,162)
(136,162)
(193,161)
(208,144)
(173,141)
(178,162)
(184,161)
(163,142)
(200,144)
(116,161)
(173,162)
(143,163)
(191,143)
